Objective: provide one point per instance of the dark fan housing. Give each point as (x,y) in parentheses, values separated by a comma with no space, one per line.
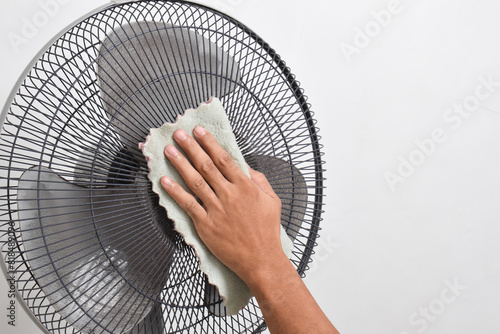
(91,249)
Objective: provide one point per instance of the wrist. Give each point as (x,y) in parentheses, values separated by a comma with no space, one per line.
(275,269)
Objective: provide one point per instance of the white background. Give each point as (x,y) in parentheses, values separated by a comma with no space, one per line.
(386,256)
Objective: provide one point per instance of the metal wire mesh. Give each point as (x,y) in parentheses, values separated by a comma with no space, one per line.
(89,246)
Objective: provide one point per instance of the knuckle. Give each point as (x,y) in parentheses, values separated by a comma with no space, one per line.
(207,166)
(190,205)
(198,183)
(225,160)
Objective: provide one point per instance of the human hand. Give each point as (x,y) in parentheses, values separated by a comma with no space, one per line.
(239,221)
(239,218)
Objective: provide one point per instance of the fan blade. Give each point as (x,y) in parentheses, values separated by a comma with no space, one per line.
(290,186)
(150,72)
(153,323)
(93,271)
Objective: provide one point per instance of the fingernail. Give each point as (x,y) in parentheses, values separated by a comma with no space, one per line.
(180,134)
(166,181)
(172,151)
(199,130)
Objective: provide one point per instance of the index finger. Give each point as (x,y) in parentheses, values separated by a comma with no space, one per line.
(219,156)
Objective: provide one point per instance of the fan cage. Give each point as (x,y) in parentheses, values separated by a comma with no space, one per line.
(57,113)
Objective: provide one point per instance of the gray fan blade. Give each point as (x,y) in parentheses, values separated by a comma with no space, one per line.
(150,72)
(153,323)
(81,256)
(290,186)
(90,170)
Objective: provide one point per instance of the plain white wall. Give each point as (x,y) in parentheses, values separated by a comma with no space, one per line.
(407,98)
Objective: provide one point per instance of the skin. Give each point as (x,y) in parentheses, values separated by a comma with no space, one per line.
(239,222)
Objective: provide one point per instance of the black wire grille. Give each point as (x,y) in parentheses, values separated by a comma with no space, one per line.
(89,247)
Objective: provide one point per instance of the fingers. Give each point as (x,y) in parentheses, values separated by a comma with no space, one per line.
(219,156)
(193,179)
(200,159)
(185,200)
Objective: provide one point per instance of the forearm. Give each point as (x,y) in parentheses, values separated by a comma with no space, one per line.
(286,303)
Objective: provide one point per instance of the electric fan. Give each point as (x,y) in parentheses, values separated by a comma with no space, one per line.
(83,234)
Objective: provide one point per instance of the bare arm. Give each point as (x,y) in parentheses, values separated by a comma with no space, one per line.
(239,222)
